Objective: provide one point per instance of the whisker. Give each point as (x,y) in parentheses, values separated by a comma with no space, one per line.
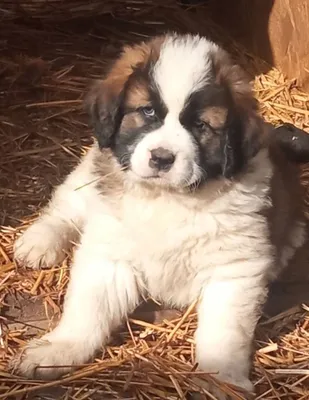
(100,178)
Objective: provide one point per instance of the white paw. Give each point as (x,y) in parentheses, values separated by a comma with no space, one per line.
(40,246)
(43,359)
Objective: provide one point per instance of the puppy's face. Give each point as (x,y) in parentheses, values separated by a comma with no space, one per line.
(176,112)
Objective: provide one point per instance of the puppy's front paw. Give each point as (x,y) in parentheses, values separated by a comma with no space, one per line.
(40,246)
(43,359)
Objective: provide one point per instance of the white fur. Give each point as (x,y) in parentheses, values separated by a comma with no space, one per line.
(61,221)
(211,245)
(184,66)
(173,137)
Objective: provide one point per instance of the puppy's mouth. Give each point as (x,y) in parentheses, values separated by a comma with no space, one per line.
(180,173)
(155,175)
(158,174)
(162,179)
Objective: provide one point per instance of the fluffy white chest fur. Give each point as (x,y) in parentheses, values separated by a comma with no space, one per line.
(212,246)
(177,242)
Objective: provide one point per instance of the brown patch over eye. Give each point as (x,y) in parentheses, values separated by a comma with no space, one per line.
(215,116)
(131,57)
(105,92)
(137,96)
(131,121)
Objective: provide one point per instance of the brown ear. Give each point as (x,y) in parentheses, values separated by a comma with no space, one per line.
(103,105)
(105,98)
(246,106)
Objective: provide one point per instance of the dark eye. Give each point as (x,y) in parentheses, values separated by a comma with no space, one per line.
(200,124)
(148,111)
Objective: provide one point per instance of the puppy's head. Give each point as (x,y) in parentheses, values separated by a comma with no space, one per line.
(176,112)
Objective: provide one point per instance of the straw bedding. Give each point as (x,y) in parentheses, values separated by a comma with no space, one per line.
(43,130)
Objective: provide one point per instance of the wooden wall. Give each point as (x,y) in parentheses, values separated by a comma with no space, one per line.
(275,30)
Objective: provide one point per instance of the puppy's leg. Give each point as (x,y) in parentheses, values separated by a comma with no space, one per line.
(228,314)
(100,295)
(44,243)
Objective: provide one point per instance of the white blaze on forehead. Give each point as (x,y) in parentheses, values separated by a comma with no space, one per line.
(183,67)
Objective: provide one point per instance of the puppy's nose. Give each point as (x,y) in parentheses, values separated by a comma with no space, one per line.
(161,159)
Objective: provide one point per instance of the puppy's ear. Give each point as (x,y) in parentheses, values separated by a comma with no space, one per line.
(253,128)
(250,126)
(246,108)
(103,104)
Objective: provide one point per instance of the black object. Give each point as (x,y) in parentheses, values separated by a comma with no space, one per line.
(293,141)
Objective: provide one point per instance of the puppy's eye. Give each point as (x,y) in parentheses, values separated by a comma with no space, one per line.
(199,124)
(148,111)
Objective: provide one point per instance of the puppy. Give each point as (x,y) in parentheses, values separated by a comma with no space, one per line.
(178,198)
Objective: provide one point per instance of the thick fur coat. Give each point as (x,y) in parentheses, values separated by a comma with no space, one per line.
(180,198)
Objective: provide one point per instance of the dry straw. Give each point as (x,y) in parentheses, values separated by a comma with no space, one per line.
(45,70)
(60,10)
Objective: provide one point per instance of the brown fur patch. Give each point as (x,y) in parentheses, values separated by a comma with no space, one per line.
(131,121)
(215,116)
(287,196)
(286,190)
(287,211)
(107,90)
(133,56)
(137,96)
(236,80)
(234,77)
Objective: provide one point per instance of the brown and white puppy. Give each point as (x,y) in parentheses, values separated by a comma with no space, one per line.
(178,198)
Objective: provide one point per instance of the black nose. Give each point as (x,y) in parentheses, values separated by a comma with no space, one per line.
(161,159)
